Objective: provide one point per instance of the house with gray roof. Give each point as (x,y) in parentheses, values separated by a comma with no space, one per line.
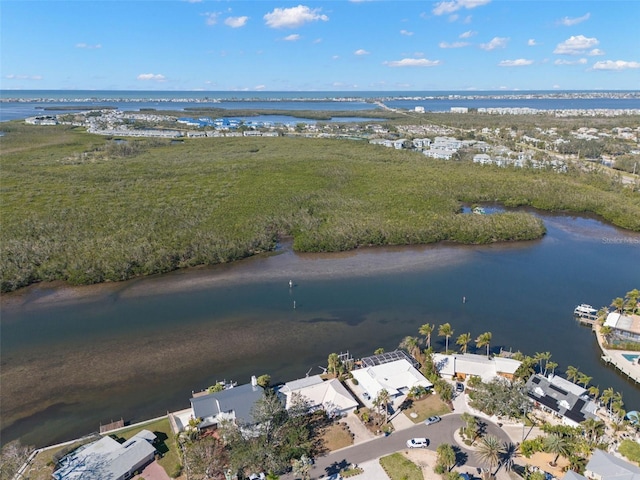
(107,459)
(463,365)
(565,399)
(604,466)
(235,404)
(328,395)
(626,327)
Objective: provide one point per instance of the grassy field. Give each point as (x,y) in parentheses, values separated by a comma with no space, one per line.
(84,209)
(426,407)
(400,468)
(42,465)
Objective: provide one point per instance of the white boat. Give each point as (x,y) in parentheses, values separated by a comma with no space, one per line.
(585,310)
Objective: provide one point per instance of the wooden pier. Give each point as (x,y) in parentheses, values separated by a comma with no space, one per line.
(112,426)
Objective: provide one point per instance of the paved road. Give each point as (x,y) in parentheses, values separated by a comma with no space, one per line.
(437,434)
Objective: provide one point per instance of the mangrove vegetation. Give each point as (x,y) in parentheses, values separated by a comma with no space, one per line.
(86,209)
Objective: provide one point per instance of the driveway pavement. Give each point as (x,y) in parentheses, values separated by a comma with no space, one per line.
(154,471)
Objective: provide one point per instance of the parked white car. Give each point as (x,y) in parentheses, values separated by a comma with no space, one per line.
(417,443)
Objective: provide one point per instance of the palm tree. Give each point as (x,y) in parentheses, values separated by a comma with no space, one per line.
(593,429)
(618,303)
(484,339)
(445,331)
(540,357)
(489,451)
(412,345)
(606,332)
(632,300)
(471,425)
(446,456)
(617,404)
(607,397)
(558,444)
(552,366)
(509,452)
(584,379)
(594,392)
(427,330)
(382,402)
(572,373)
(603,313)
(464,340)
(333,364)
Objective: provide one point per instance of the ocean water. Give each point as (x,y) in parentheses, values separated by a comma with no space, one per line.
(18,104)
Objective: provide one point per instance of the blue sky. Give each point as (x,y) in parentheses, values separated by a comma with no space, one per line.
(336,45)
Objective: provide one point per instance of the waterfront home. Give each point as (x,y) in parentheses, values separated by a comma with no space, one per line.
(107,459)
(625,327)
(234,403)
(328,395)
(397,377)
(604,466)
(471,365)
(563,398)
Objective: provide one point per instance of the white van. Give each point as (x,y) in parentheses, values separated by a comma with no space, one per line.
(417,443)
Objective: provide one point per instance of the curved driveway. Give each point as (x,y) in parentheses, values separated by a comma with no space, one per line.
(438,433)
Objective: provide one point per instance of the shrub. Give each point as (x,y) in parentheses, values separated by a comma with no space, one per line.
(630,449)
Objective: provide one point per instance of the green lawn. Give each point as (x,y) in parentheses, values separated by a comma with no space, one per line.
(170,458)
(426,407)
(400,468)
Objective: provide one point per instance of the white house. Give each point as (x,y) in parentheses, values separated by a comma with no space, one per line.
(469,364)
(108,459)
(624,326)
(328,395)
(397,378)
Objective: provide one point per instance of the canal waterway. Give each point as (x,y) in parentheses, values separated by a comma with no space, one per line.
(73,358)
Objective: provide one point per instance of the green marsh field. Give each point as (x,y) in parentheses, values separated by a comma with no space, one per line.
(86,209)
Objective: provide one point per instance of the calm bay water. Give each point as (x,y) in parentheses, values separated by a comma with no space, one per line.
(75,358)
(18,104)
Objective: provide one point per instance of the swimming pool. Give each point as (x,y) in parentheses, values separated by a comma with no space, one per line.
(633,358)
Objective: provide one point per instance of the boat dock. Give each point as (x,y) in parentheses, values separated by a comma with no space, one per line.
(586,314)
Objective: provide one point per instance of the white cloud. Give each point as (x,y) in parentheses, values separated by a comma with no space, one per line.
(12,76)
(520,62)
(236,22)
(211,18)
(576,45)
(531,42)
(615,65)
(568,22)
(91,47)
(293,17)
(406,33)
(292,38)
(260,87)
(413,62)
(496,42)
(595,52)
(453,45)
(361,51)
(156,77)
(467,34)
(193,1)
(445,7)
(562,61)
